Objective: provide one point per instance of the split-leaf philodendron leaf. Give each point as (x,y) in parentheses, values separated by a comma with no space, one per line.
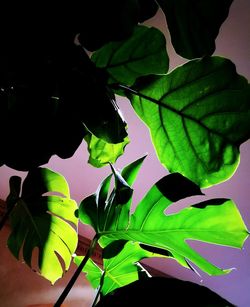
(215,221)
(198,116)
(194,24)
(43,218)
(142,54)
(119,270)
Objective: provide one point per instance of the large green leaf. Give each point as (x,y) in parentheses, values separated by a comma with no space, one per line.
(102,153)
(214,221)
(142,54)
(198,116)
(194,24)
(93,271)
(119,270)
(44,218)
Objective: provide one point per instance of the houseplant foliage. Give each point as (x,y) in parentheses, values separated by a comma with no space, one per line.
(127,238)
(197,114)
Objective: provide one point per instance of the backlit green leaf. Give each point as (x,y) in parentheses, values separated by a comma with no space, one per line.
(215,221)
(142,54)
(198,116)
(194,24)
(44,221)
(102,153)
(101,209)
(118,271)
(93,271)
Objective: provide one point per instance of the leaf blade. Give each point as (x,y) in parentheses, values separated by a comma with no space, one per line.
(181,110)
(130,59)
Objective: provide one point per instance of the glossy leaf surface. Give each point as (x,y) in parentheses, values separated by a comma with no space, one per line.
(198,116)
(44,218)
(142,54)
(194,24)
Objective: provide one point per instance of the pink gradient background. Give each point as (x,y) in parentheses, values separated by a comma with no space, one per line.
(232,42)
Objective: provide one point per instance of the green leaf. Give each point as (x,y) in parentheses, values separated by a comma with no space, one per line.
(194,24)
(198,116)
(44,219)
(101,208)
(102,153)
(215,221)
(93,271)
(142,54)
(118,271)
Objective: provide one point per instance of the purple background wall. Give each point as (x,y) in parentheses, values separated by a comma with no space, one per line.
(233,42)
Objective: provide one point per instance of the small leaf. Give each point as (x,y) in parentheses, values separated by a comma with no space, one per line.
(46,222)
(101,210)
(130,172)
(194,25)
(103,153)
(198,116)
(142,54)
(123,191)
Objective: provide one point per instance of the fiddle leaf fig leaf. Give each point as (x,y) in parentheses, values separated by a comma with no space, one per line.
(44,218)
(194,25)
(102,153)
(198,116)
(216,221)
(142,54)
(119,270)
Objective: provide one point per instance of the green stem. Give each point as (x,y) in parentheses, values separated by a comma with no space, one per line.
(77,272)
(99,290)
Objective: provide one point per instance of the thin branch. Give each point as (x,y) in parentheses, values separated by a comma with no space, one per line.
(99,290)
(77,272)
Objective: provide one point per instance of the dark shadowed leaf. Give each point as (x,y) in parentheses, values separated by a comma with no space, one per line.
(198,116)
(160,291)
(194,24)
(142,54)
(44,221)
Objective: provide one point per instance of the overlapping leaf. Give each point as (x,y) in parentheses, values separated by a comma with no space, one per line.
(214,221)
(44,218)
(101,209)
(102,153)
(198,116)
(194,24)
(119,270)
(142,54)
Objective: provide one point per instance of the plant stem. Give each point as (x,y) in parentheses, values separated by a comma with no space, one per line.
(99,290)
(77,273)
